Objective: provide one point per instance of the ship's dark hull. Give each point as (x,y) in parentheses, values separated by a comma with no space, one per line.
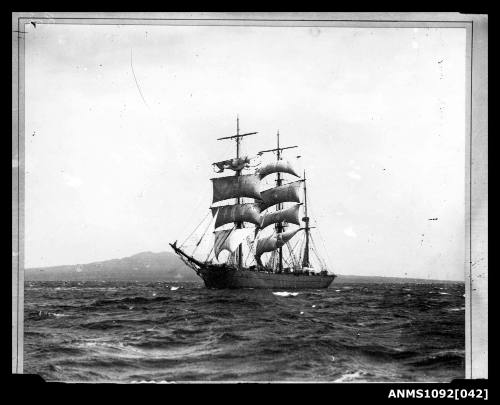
(227,277)
(224,276)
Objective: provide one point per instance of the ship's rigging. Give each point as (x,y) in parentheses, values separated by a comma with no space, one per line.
(243,229)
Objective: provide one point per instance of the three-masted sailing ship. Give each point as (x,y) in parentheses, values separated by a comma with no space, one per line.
(254,242)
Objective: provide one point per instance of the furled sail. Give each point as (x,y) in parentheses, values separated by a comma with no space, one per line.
(274,167)
(235,164)
(230,239)
(274,242)
(236,186)
(237,213)
(286,193)
(290,215)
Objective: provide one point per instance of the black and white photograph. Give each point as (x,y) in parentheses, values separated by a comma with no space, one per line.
(245,197)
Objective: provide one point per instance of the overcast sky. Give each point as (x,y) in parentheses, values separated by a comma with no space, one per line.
(116,165)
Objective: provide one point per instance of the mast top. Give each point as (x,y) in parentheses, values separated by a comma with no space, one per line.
(238,135)
(277,149)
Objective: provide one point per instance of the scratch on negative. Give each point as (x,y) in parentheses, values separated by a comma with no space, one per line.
(136,82)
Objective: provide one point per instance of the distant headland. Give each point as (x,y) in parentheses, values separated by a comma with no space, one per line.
(164,266)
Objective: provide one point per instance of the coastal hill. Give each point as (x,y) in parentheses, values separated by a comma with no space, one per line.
(145,266)
(162,266)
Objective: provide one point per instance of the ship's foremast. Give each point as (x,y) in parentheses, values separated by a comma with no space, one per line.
(238,137)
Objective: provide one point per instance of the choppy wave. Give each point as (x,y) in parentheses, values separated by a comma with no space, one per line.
(286,294)
(146,332)
(128,300)
(350,377)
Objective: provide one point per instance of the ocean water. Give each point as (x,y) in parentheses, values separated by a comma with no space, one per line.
(160,331)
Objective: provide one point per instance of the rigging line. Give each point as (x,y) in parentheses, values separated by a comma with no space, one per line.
(301,249)
(252,262)
(195,229)
(209,253)
(203,235)
(314,251)
(246,258)
(195,207)
(291,254)
(271,262)
(300,254)
(321,261)
(289,261)
(329,263)
(136,82)
(248,255)
(296,243)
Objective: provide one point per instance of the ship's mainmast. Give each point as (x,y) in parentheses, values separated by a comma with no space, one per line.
(238,137)
(279,181)
(279,225)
